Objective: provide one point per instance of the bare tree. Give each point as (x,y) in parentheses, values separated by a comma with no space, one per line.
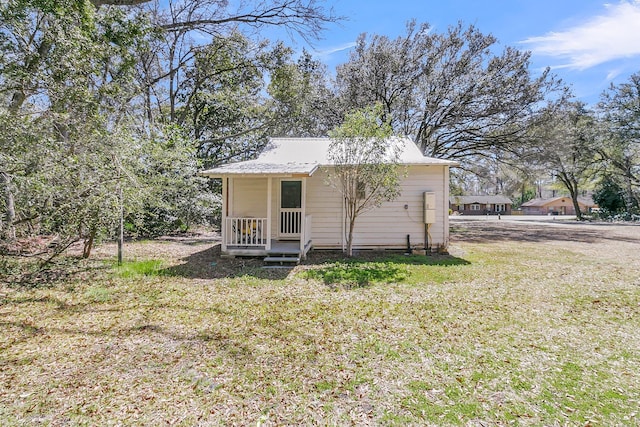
(448,91)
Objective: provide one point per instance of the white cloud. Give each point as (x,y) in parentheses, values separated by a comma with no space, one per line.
(327,52)
(603,38)
(612,74)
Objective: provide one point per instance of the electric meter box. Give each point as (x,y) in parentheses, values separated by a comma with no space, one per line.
(429,207)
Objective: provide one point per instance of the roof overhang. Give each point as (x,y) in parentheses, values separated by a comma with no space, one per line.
(252,175)
(432,162)
(261,170)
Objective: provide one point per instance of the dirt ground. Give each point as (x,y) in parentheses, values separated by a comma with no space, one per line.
(617,241)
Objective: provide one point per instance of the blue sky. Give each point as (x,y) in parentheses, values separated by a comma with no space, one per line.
(588,43)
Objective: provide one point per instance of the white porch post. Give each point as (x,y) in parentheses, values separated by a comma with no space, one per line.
(223,226)
(269,193)
(445,202)
(230,198)
(303,214)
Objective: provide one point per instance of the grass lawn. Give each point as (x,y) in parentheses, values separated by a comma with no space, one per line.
(524,325)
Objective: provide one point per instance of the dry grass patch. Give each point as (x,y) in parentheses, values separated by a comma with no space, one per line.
(533,333)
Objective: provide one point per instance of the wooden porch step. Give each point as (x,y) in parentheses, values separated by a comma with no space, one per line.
(282,260)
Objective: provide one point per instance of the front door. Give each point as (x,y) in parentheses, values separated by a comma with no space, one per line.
(290,217)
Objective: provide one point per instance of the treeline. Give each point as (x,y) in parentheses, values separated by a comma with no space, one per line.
(110,106)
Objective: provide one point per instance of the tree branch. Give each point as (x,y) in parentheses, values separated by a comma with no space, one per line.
(98,3)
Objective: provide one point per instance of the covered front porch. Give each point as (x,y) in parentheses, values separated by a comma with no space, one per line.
(265,216)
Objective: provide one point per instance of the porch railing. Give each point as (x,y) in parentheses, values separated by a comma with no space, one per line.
(246,232)
(290,222)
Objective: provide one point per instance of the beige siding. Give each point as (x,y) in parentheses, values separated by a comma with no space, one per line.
(388,225)
(249,197)
(324,203)
(383,227)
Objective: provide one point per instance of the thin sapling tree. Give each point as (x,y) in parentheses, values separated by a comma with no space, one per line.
(365,161)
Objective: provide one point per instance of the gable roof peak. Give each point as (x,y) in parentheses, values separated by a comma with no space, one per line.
(304,155)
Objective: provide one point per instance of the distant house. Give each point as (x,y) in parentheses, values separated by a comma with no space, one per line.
(557,206)
(283,199)
(480,205)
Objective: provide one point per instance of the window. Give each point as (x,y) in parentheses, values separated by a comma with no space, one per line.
(500,207)
(361,192)
(291,195)
(475,207)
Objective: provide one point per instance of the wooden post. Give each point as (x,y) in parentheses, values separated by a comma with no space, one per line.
(223,225)
(269,196)
(121,224)
(303,219)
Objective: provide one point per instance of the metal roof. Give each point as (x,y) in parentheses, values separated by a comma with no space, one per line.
(303,156)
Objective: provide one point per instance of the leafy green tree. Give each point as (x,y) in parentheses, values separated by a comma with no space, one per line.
(100,101)
(565,145)
(66,115)
(167,195)
(224,109)
(181,26)
(609,196)
(365,166)
(304,103)
(619,110)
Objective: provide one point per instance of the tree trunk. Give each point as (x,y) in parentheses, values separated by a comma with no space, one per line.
(572,185)
(147,101)
(10,214)
(576,206)
(173,84)
(629,199)
(88,243)
(352,221)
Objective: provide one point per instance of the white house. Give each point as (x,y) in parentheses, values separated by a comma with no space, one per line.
(282,203)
